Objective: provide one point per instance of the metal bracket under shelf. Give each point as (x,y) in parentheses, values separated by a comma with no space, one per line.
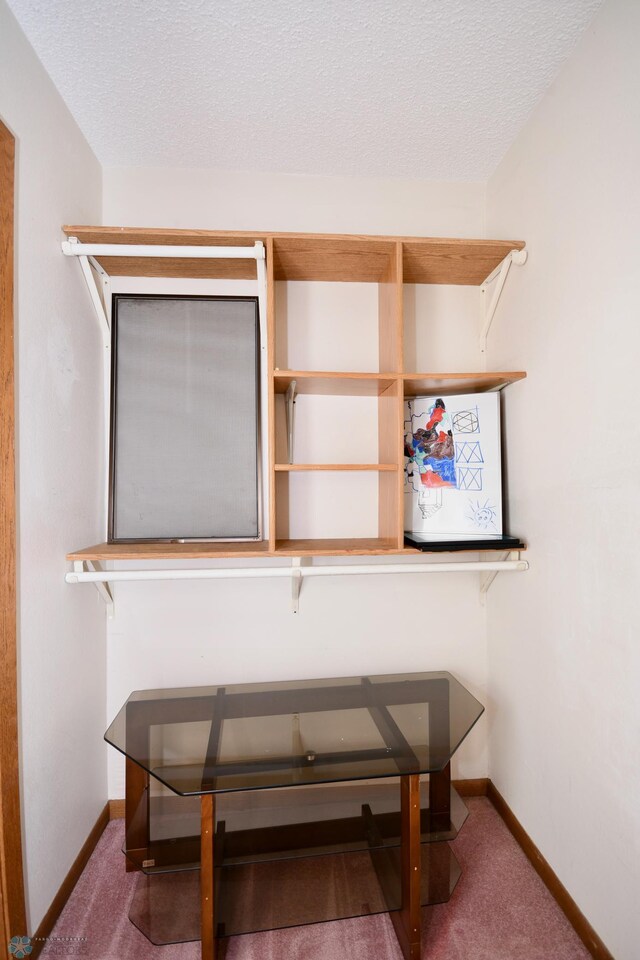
(290,409)
(88,571)
(499,275)
(510,557)
(103,586)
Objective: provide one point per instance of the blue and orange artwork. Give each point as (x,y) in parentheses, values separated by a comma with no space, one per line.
(431,449)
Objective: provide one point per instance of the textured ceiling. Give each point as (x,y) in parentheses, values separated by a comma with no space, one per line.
(433,89)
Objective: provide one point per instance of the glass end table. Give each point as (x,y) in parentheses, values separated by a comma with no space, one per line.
(257,806)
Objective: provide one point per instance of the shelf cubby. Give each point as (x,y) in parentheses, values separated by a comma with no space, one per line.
(328,429)
(314,504)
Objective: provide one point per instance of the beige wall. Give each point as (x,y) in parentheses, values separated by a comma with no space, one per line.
(59,393)
(234,200)
(564,657)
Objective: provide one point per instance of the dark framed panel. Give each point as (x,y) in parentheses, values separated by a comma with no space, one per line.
(185,419)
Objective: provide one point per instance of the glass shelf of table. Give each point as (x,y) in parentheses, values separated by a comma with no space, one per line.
(273,894)
(258,826)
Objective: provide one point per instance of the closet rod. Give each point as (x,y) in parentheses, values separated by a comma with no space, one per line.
(73,248)
(242,573)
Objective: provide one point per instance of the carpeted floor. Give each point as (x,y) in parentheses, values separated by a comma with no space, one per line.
(500,910)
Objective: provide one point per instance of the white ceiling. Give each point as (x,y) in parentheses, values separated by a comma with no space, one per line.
(431,89)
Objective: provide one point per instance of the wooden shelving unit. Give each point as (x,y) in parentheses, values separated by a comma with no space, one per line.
(389,263)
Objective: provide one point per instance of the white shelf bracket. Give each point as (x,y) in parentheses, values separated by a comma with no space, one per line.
(72,247)
(499,276)
(290,407)
(102,586)
(296,583)
(513,557)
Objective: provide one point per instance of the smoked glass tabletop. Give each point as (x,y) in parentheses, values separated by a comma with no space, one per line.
(199,740)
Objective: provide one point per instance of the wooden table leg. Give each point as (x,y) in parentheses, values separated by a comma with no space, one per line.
(207,876)
(136,807)
(406,921)
(440,780)
(440,799)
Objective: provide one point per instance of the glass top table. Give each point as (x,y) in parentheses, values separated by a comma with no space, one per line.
(347,754)
(199,740)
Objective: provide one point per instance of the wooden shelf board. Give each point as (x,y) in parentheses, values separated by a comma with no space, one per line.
(297,256)
(171,551)
(292,467)
(223,551)
(467,262)
(323,383)
(229,551)
(418,384)
(336,547)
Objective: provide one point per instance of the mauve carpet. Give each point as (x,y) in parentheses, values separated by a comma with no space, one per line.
(500,910)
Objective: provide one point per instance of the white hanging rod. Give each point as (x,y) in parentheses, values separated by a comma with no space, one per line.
(73,248)
(240,573)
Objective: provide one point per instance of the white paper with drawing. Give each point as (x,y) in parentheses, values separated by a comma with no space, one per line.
(453,470)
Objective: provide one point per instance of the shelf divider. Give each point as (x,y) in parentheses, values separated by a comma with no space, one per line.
(271,354)
(390,401)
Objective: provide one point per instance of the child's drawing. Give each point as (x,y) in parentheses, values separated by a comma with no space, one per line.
(470,478)
(444,464)
(466,421)
(468,452)
(483,515)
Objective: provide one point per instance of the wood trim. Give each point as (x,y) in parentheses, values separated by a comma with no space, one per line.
(12,899)
(558,891)
(207,877)
(66,888)
(470,788)
(407,920)
(117,809)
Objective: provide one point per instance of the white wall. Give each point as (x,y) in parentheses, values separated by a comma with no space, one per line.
(226,632)
(232,200)
(564,658)
(61,629)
